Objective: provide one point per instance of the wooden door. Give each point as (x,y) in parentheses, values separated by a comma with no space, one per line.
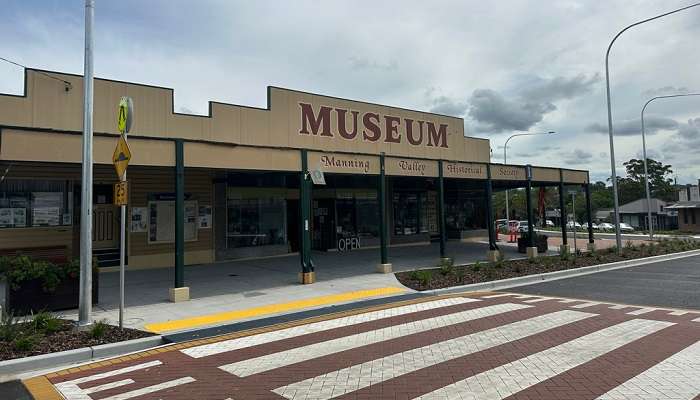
(105,226)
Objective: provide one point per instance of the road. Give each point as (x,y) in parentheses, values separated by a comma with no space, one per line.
(674,283)
(477,346)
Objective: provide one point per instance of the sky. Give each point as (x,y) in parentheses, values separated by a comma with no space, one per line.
(506,67)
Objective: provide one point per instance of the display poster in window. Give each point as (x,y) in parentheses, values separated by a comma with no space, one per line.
(6,217)
(204,217)
(161,221)
(19,217)
(46,216)
(139,223)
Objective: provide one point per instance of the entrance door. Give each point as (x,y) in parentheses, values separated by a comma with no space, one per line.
(105,221)
(324,224)
(293,225)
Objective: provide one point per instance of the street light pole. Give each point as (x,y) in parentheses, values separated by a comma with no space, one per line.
(618,235)
(644,154)
(85,296)
(505,159)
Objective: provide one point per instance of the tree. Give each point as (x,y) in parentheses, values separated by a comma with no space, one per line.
(660,182)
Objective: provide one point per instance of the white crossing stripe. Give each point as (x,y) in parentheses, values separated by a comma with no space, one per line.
(641,311)
(111,385)
(565,301)
(495,296)
(676,377)
(525,296)
(678,313)
(585,305)
(518,375)
(71,391)
(537,300)
(315,350)
(249,341)
(151,389)
(696,320)
(368,373)
(618,307)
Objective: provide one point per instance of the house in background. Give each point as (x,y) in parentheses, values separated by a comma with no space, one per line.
(688,208)
(603,215)
(636,215)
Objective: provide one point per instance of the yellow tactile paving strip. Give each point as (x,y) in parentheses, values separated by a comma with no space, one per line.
(42,389)
(210,319)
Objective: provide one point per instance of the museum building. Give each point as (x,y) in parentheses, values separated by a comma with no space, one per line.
(241,176)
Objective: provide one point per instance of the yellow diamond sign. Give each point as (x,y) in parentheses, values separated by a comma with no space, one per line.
(121,157)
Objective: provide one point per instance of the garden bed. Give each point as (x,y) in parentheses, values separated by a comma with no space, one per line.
(46,333)
(448,275)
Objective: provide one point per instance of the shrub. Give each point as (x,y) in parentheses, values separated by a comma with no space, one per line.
(477,266)
(46,323)
(26,342)
(424,277)
(413,275)
(98,329)
(446,266)
(18,269)
(10,327)
(490,272)
(459,274)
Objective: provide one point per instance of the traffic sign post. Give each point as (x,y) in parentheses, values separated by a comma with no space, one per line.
(573,210)
(120,159)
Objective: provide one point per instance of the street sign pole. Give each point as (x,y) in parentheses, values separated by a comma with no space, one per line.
(121,158)
(573,211)
(122,256)
(85,292)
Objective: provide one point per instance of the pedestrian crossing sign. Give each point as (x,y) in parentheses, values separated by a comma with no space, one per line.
(121,157)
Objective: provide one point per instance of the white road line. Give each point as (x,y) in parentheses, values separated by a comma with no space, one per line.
(585,305)
(618,307)
(641,311)
(566,301)
(71,391)
(495,296)
(696,320)
(315,350)
(537,300)
(151,389)
(508,379)
(106,386)
(382,369)
(678,313)
(254,340)
(525,296)
(676,377)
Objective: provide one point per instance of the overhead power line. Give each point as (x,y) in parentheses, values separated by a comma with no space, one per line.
(69,86)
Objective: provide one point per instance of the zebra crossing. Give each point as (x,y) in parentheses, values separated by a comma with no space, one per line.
(481,346)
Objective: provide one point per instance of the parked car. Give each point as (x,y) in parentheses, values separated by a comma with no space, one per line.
(625,227)
(606,226)
(523,226)
(500,223)
(570,224)
(549,222)
(585,225)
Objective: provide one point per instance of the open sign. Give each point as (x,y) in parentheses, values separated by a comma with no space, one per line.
(347,244)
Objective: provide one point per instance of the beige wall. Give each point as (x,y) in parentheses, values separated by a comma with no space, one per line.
(507,173)
(571,176)
(48,105)
(410,167)
(545,174)
(343,163)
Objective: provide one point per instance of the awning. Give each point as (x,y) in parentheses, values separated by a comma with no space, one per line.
(684,204)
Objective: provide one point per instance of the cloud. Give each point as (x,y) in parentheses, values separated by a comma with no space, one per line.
(532,101)
(652,125)
(560,88)
(578,157)
(498,114)
(448,106)
(665,90)
(690,131)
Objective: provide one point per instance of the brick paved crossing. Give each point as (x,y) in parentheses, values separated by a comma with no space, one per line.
(484,346)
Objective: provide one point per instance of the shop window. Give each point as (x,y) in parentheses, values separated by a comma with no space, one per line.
(405,213)
(256,222)
(345,209)
(35,203)
(429,214)
(692,216)
(685,216)
(368,217)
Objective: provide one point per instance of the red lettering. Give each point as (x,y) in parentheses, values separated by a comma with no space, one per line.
(322,120)
(342,129)
(371,123)
(439,138)
(409,132)
(392,129)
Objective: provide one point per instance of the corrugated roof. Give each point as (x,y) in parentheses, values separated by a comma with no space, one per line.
(640,206)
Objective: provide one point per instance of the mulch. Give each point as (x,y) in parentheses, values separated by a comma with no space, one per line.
(69,338)
(438,278)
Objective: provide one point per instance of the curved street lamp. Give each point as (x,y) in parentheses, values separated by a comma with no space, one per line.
(618,235)
(505,158)
(644,154)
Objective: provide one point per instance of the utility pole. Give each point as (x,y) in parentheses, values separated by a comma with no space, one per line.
(85,306)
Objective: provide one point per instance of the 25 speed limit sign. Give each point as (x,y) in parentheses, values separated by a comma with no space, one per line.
(121,193)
